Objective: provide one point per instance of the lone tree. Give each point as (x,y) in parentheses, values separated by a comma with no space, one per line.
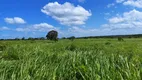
(52,35)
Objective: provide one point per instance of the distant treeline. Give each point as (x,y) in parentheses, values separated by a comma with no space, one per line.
(114,36)
(73,37)
(30,38)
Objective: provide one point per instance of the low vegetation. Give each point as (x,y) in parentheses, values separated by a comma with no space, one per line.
(80,59)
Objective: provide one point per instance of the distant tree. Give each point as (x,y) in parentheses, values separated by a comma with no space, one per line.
(36,38)
(120,39)
(52,35)
(17,38)
(71,38)
(85,37)
(129,36)
(42,38)
(1,39)
(30,38)
(23,38)
(63,38)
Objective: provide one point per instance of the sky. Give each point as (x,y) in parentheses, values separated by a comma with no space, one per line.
(79,18)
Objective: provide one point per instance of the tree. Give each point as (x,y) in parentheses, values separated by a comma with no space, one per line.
(52,35)
(30,38)
(42,38)
(17,38)
(71,38)
(63,38)
(23,38)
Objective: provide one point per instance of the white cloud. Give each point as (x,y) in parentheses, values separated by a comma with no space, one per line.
(108,30)
(116,20)
(134,3)
(4,28)
(131,16)
(118,26)
(120,1)
(80,32)
(15,20)
(131,19)
(128,23)
(110,5)
(42,27)
(67,13)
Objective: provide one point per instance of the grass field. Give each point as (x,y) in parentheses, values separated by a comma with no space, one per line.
(81,59)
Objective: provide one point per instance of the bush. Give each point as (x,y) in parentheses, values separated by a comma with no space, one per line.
(2,47)
(10,56)
(107,43)
(71,38)
(120,39)
(71,47)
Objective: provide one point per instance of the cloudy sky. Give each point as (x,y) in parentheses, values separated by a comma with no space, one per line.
(34,18)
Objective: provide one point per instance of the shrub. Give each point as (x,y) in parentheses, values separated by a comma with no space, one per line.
(107,43)
(120,39)
(71,38)
(2,47)
(71,47)
(10,56)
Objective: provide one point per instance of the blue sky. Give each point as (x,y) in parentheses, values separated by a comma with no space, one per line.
(34,18)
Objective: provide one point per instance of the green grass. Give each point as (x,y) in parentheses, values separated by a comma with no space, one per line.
(81,59)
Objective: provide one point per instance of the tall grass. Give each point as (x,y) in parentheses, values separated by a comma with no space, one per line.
(92,59)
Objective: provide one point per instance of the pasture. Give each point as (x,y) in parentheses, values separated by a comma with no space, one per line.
(81,59)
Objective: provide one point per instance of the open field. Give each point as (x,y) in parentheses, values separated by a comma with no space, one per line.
(81,59)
